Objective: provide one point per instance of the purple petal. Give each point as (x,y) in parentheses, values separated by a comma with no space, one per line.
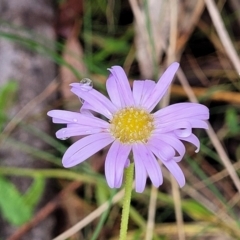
(62,116)
(151,165)
(85,147)
(161,87)
(122,86)
(195,123)
(119,183)
(177,158)
(184,132)
(57,120)
(113,91)
(115,163)
(72,125)
(97,100)
(182,110)
(164,150)
(127,163)
(181,128)
(87,108)
(192,139)
(149,85)
(176,171)
(140,171)
(142,90)
(173,142)
(172,166)
(77,131)
(137,91)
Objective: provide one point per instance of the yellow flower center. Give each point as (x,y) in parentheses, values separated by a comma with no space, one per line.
(131,125)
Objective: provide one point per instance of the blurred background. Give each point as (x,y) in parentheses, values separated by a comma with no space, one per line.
(45,45)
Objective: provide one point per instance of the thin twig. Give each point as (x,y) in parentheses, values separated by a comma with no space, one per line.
(151,213)
(223,34)
(206,93)
(171,51)
(178,208)
(29,107)
(186,34)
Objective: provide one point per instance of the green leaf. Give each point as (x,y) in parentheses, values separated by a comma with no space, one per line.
(102,193)
(34,193)
(232,121)
(196,210)
(12,205)
(7,92)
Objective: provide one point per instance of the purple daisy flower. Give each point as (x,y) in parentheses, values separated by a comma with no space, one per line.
(131,127)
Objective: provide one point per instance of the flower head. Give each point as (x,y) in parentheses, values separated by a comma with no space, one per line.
(131,127)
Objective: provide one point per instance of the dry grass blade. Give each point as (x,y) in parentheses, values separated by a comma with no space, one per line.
(96,213)
(192,19)
(223,34)
(219,95)
(178,209)
(29,107)
(151,213)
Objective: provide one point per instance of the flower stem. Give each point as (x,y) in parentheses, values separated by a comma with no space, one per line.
(126,201)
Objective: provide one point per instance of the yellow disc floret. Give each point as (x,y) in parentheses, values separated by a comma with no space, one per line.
(131,125)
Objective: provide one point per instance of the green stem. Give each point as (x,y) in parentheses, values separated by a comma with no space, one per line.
(126,201)
(50,173)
